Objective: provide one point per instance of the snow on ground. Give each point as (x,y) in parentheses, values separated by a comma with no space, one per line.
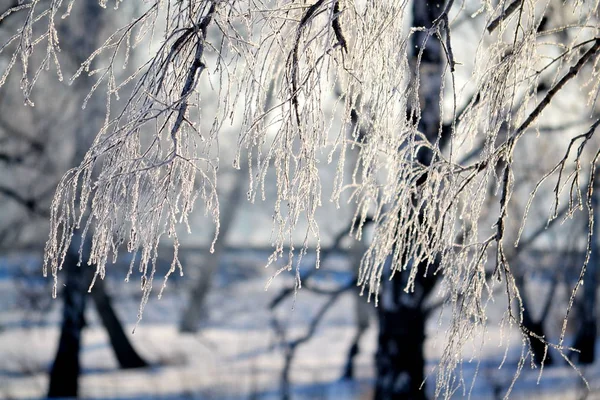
(235,355)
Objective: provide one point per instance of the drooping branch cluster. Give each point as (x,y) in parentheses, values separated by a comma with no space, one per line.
(133,188)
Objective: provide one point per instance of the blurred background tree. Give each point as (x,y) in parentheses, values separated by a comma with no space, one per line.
(46,141)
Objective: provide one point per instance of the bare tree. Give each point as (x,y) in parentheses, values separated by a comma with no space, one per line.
(195,309)
(38,153)
(423,172)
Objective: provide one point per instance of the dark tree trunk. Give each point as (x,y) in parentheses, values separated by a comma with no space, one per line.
(538,348)
(400,358)
(354,350)
(402,316)
(81,41)
(535,326)
(65,370)
(362,310)
(362,324)
(585,340)
(124,351)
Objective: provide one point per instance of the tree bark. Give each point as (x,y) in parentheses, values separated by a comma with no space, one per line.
(124,352)
(362,311)
(80,45)
(537,347)
(65,370)
(400,359)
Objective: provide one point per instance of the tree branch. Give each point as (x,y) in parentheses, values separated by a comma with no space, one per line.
(28,203)
(512,7)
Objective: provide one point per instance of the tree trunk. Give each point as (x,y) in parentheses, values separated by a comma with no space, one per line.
(362,311)
(400,360)
(585,340)
(64,374)
(195,310)
(65,370)
(124,351)
(537,347)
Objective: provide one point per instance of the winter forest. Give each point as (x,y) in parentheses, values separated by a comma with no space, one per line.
(299,199)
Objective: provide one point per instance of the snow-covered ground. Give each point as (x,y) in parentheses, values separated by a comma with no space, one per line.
(235,355)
